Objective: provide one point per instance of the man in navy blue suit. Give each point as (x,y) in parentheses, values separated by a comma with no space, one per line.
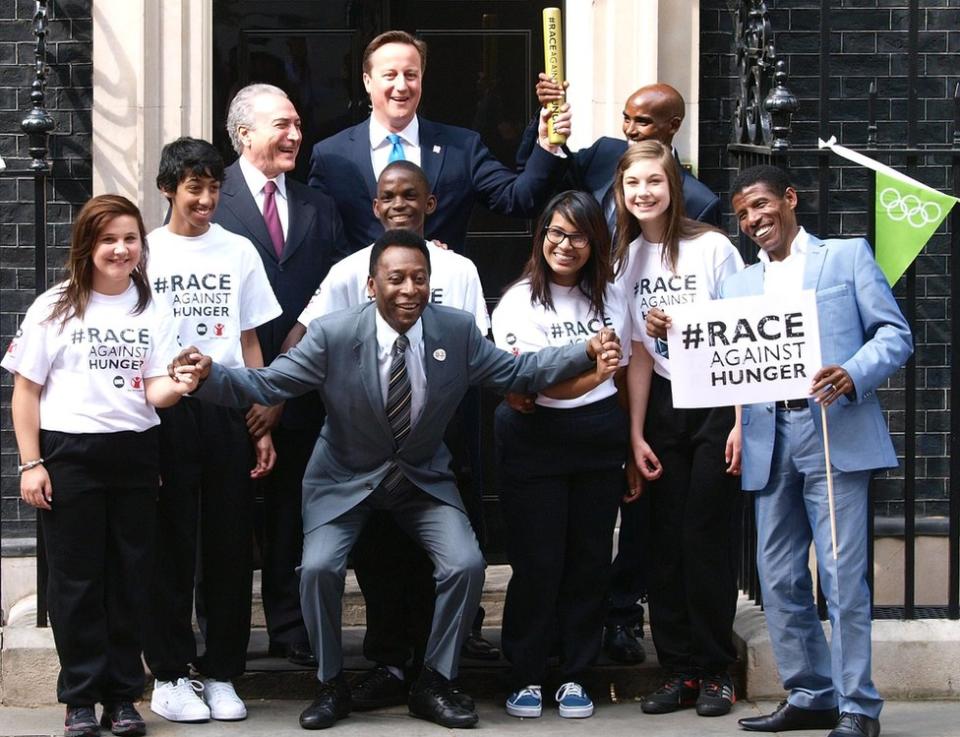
(459,167)
(297,232)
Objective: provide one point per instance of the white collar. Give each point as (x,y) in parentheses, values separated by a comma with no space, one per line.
(387,336)
(255,179)
(410,134)
(801,245)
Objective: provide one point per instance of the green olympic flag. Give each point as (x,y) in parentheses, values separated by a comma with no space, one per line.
(907,214)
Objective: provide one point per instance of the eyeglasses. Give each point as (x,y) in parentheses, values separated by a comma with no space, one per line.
(556,236)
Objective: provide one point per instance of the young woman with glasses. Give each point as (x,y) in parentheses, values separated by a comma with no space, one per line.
(561,455)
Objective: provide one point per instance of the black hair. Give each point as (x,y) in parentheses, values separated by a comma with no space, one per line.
(397,237)
(418,173)
(586,216)
(773,177)
(185,156)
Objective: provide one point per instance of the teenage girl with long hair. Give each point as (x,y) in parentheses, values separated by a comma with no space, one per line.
(90,364)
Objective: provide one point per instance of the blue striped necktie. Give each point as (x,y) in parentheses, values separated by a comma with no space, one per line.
(398,405)
(396,148)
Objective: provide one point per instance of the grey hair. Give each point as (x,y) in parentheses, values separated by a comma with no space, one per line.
(241,110)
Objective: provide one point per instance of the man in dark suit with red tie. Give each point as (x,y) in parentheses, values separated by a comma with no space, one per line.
(298,234)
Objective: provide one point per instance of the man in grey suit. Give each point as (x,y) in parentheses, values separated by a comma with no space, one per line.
(391,375)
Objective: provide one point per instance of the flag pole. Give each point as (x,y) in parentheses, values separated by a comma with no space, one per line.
(830,502)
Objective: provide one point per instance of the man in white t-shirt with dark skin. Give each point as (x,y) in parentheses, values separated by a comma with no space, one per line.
(395,575)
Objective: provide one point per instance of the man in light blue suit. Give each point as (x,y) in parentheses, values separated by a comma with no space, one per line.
(382,449)
(864,339)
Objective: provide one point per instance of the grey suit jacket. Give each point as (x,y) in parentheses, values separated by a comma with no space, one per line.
(338,358)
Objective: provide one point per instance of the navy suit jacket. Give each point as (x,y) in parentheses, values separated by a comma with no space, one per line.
(592,169)
(461,171)
(314,243)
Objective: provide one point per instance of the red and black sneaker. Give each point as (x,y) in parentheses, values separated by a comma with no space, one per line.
(716,695)
(80,721)
(123,719)
(679,691)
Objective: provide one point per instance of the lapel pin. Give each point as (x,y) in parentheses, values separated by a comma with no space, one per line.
(440,354)
(436,150)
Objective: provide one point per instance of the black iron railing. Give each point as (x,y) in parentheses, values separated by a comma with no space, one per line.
(765,147)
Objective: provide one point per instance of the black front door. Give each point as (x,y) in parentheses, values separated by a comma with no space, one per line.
(483,59)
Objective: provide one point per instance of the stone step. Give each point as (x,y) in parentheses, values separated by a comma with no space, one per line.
(354,610)
(276,678)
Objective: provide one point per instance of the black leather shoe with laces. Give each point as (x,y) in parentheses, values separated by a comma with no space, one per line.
(856,725)
(378,688)
(331,704)
(432,698)
(787,717)
(717,695)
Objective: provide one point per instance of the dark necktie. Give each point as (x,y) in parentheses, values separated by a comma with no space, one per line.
(271,217)
(396,148)
(398,405)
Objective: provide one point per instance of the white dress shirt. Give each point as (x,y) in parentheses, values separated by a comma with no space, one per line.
(787,276)
(386,337)
(255,180)
(380,145)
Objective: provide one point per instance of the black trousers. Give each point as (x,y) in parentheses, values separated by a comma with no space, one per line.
(395,574)
(281,541)
(694,528)
(562,478)
(628,583)
(99,543)
(204,530)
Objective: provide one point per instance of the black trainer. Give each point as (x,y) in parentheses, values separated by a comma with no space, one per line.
(677,692)
(122,718)
(717,695)
(378,688)
(80,721)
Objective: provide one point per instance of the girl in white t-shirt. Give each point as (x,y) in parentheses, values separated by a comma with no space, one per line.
(90,363)
(690,457)
(560,457)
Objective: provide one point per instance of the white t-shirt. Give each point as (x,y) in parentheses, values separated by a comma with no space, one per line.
(702,264)
(93,370)
(454,282)
(521,327)
(216,286)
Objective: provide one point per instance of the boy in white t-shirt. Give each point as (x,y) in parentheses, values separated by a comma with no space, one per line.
(216,286)
(394,573)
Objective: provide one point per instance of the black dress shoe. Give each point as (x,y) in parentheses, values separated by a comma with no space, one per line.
(787,717)
(432,698)
(299,653)
(856,725)
(377,689)
(621,645)
(478,648)
(332,704)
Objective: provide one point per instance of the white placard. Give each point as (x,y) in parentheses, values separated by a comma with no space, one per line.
(744,350)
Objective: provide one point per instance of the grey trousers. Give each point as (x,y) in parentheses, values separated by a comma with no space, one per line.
(446,535)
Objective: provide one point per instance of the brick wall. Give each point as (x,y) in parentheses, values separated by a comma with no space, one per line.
(69,97)
(868,42)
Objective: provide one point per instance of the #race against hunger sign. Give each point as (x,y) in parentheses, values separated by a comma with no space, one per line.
(744,350)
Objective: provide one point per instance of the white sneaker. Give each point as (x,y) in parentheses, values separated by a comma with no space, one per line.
(225,705)
(179,701)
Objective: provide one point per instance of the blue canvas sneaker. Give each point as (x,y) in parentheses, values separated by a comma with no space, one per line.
(527,702)
(574,702)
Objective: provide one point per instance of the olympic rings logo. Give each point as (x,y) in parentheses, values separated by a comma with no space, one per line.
(909,207)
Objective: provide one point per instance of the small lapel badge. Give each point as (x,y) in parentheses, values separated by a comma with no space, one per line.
(436,150)
(440,354)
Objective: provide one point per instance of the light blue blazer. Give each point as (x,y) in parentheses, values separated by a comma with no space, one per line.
(861,329)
